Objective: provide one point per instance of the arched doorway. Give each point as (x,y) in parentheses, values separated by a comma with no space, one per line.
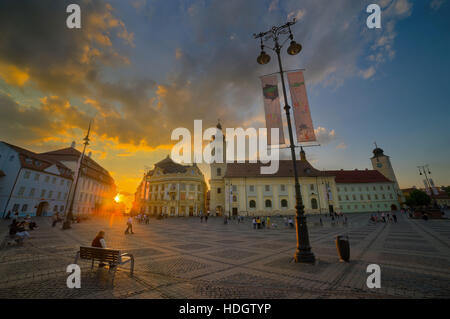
(314,203)
(42,209)
(393,207)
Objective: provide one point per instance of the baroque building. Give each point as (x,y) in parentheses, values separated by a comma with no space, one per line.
(171,189)
(240,188)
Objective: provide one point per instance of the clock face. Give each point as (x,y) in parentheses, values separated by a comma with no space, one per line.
(379,165)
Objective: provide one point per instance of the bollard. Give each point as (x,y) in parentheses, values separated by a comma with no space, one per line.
(343,248)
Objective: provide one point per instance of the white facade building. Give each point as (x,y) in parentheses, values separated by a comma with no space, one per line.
(96,188)
(32,184)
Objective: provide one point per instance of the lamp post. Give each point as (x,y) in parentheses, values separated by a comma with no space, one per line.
(69,215)
(424,169)
(303,253)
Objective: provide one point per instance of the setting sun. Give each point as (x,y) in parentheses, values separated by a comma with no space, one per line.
(117,199)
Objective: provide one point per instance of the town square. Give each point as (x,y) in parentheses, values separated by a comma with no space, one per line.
(253,151)
(183,258)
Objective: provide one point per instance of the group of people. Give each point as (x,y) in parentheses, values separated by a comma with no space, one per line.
(18,228)
(143,219)
(263,222)
(383,218)
(205,217)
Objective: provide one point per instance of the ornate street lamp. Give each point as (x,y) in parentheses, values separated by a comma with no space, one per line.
(303,254)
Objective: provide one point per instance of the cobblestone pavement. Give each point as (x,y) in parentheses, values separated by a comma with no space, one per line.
(183,258)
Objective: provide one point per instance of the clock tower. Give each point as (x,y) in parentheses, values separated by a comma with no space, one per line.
(382,163)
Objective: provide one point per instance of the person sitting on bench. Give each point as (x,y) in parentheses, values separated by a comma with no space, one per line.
(17,229)
(99,242)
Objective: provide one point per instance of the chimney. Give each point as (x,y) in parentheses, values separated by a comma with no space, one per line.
(73,144)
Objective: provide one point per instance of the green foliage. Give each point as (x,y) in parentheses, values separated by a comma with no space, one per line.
(447,190)
(418,198)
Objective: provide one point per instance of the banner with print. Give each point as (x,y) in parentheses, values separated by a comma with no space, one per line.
(302,115)
(272,108)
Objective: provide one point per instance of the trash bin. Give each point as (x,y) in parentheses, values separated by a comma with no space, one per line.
(343,248)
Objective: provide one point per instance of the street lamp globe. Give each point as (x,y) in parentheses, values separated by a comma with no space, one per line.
(263,58)
(294,48)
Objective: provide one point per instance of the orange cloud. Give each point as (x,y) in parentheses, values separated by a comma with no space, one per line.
(13,75)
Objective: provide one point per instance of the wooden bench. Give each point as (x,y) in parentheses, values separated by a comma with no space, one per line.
(11,240)
(103,255)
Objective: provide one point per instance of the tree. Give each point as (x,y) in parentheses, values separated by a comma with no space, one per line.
(418,198)
(446,189)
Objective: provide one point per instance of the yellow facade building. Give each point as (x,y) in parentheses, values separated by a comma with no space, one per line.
(239,189)
(171,189)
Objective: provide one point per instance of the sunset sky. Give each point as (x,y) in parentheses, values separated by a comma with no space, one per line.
(141,68)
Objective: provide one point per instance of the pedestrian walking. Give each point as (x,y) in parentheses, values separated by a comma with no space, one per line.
(206,218)
(268,222)
(286,222)
(394,216)
(129,226)
(254,223)
(291,223)
(201,218)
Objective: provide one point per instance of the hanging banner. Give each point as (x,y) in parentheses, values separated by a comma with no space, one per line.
(272,108)
(302,115)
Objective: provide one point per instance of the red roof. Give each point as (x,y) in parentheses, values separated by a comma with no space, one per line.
(39,162)
(304,169)
(94,170)
(359,176)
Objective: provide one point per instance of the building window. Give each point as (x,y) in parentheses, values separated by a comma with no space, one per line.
(384,196)
(36,177)
(32,192)
(282,187)
(376,196)
(219,190)
(314,203)
(389,188)
(59,195)
(252,204)
(26,175)
(390,195)
(219,171)
(21,191)
(268,203)
(338,189)
(354,197)
(361,196)
(24,207)
(369,198)
(234,187)
(252,188)
(340,197)
(284,203)
(11,158)
(50,194)
(311,187)
(55,208)
(43,193)
(234,198)
(346,197)
(61,208)
(267,188)
(381,187)
(16,208)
